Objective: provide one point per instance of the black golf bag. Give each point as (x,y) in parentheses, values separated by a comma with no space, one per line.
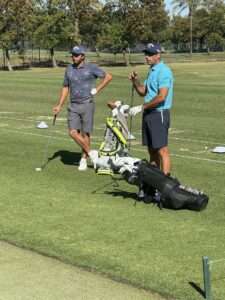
(166,191)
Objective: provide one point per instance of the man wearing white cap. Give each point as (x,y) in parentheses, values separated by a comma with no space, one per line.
(79,81)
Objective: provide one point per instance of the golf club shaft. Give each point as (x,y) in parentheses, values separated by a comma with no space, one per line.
(131,118)
(45,157)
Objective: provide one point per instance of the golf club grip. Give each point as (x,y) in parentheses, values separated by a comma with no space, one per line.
(54,119)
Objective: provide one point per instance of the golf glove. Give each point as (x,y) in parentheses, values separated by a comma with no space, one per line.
(93,91)
(135,110)
(125,109)
(118,103)
(115,112)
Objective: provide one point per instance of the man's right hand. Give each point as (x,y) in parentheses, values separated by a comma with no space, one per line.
(56,109)
(133,76)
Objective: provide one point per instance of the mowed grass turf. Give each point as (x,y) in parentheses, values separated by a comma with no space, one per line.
(90,221)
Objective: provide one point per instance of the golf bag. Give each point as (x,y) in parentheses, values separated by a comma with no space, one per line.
(154,186)
(166,191)
(115,143)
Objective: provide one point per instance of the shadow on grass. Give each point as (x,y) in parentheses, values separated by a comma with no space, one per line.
(121,193)
(197,288)
(67,157)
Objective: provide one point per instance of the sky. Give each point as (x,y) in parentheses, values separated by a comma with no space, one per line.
(169,7)
(168,4)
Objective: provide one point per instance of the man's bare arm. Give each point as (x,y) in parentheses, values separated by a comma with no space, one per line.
(140,88)
(103,82)
(62,99)
(157,99)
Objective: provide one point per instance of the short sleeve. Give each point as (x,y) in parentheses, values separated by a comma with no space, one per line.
(97,72)
(66,79)
(165,79)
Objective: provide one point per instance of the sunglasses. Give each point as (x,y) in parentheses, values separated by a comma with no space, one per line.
(150,54)
(75,55)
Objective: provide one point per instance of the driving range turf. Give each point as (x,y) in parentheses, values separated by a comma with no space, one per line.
(89,220)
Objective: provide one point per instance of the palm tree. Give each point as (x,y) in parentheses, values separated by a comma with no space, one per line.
(190,5)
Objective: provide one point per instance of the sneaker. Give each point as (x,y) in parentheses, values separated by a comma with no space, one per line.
(131,137)
(82,164)
(93,154)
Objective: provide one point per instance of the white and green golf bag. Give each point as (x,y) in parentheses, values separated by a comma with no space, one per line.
(113,151)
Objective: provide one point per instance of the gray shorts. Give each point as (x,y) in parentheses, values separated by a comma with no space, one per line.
(81,117)
(155,128)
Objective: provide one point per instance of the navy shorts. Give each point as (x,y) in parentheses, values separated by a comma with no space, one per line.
(155,128)
(81,117)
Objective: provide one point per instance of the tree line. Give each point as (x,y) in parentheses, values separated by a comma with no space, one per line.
(112,25)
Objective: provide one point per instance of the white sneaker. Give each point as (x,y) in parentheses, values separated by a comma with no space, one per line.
(93,154)
(83,164)
(131,137)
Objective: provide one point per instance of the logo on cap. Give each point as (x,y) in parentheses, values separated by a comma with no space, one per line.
(152,48)
(78,50)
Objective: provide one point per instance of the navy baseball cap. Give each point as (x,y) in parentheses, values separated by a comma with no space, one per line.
(77,50)
(152,49)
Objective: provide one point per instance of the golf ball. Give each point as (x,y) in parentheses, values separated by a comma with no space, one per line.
(38,169)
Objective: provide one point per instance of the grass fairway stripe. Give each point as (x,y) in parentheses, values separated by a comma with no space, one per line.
(94,143)
(199,158)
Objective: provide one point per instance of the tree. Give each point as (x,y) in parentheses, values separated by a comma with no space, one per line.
(216,25)
(201,28)
(51,26)
(191,6)
(78,11)
(142,20)
(15,22)
(112,39)
(180,33)
(154,20)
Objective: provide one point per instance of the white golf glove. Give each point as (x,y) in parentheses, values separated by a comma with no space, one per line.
(125,109)
(115,112)
(93,91)
(118,103)
(135,110)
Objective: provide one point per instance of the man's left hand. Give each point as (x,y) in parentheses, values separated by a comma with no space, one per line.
(135,110)
(93,91)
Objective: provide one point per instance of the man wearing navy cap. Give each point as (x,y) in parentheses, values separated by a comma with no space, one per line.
(157,91)
(79,81)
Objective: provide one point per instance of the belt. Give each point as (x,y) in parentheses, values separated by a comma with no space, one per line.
(84,102)
(149,111)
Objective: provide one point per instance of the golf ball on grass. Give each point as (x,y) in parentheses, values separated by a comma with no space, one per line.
(38,169)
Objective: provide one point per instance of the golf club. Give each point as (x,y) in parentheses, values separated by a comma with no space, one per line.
(131,118)
(45,160)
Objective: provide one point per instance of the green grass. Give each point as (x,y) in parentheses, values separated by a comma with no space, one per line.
(83,219)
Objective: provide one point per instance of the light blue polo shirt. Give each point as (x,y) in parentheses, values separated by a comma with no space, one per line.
(159,76)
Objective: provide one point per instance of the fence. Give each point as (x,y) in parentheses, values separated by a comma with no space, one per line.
(42,58)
